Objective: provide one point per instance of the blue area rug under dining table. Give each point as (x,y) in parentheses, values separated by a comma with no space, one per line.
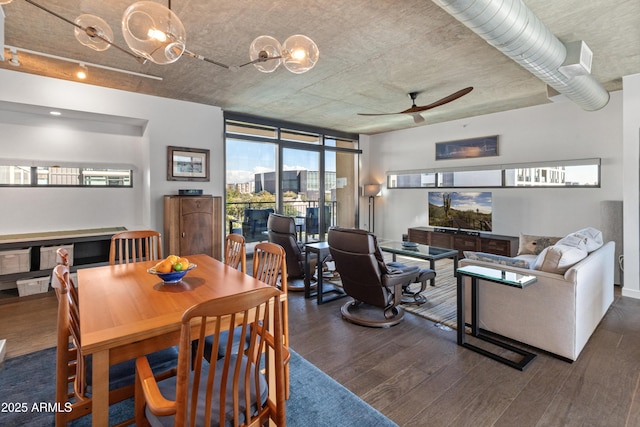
(316,399)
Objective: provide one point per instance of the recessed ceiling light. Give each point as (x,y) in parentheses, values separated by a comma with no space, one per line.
(55,113)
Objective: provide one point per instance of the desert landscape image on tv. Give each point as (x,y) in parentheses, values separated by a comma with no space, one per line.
(460,210)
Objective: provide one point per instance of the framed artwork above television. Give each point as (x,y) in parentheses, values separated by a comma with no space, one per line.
(461,210)
(485,146)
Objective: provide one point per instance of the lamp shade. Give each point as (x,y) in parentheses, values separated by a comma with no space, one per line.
(266,52)
(371,190)
(94,32)
(300,54)
(154,32)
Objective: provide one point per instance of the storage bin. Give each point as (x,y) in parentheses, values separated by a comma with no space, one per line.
(15,261)
(48,256)
(33,286)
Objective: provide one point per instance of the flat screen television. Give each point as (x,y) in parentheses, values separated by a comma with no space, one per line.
(460,210)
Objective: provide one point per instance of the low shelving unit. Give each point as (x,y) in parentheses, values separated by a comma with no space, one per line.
(28,258)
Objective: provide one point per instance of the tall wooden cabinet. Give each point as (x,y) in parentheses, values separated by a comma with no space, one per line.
(193,225)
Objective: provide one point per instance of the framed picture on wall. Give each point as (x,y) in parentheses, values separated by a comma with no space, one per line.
(485,146)
(187,164)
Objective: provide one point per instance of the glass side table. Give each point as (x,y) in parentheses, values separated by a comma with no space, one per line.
(494,275)
(321,249)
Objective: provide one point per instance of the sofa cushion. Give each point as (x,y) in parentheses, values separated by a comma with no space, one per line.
(496,259)
(591,237)
(534,244)
(561,257)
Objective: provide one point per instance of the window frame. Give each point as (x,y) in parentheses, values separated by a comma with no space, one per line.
(435,174)
(37,170)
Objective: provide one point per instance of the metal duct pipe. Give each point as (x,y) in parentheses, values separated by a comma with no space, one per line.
(512,28)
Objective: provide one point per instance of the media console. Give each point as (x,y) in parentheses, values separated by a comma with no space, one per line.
(465,240)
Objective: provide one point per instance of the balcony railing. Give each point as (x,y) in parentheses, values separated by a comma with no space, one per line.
(252,224)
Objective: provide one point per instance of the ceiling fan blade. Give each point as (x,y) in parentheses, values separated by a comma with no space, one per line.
(380,114)
(417,109)
(445,100)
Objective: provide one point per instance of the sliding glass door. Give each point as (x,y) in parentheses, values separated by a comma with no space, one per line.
(301,173)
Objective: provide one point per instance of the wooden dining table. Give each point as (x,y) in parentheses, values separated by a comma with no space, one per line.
(127,312)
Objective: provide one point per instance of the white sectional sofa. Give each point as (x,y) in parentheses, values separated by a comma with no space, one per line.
(558,313)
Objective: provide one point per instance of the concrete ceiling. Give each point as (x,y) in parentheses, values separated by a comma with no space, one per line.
(372,54)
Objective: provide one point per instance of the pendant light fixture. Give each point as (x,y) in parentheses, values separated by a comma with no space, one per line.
(153,32)
(92,31)
(299,54)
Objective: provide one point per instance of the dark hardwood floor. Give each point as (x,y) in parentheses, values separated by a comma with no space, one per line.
(416,375)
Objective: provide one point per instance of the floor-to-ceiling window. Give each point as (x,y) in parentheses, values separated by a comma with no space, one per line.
(307,173)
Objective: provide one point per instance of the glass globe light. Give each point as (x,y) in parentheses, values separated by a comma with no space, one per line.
(300,54)
(263,48)
(154,32)
(94,26)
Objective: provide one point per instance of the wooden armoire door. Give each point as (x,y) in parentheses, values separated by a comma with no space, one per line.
(196,221)
(192,225)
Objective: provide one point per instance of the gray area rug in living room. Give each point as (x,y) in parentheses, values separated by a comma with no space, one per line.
(316,399)
(441,306)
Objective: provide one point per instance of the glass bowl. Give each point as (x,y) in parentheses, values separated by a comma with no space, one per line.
(174,276)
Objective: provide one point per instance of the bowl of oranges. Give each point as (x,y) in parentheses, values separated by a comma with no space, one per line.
(172,269)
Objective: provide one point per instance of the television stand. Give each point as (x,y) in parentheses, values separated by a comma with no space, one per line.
(465,240)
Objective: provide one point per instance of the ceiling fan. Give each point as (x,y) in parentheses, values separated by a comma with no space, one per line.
(415,110)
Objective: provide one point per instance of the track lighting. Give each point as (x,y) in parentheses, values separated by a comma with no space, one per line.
(82,72)
(14,60)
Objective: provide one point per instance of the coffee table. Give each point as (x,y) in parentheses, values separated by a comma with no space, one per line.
(415,250)
(501,277)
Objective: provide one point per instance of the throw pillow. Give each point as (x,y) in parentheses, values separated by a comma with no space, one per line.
(496,259)
(559,258)
(533,245)
(575,240)
(591,236)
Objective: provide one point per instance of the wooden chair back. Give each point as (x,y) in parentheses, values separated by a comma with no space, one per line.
(70,362)
(218,391)
(235,252)
(135,246)
(269,264)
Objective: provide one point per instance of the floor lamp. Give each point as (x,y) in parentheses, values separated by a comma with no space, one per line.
(371,191)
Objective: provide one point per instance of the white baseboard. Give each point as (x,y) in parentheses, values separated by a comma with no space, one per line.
(631,293)
(3,350)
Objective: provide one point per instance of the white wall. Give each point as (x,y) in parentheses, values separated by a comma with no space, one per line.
(631,211)
(559,131)
(170,122)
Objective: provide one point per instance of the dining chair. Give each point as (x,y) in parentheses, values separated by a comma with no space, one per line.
(269,265)
(135,246)
(235,253)
(229,391)
(73,369)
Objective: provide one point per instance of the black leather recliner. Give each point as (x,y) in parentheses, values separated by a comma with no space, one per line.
(368,280)
(282,230)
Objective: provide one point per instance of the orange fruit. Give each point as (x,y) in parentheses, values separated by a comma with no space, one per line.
(172,259)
